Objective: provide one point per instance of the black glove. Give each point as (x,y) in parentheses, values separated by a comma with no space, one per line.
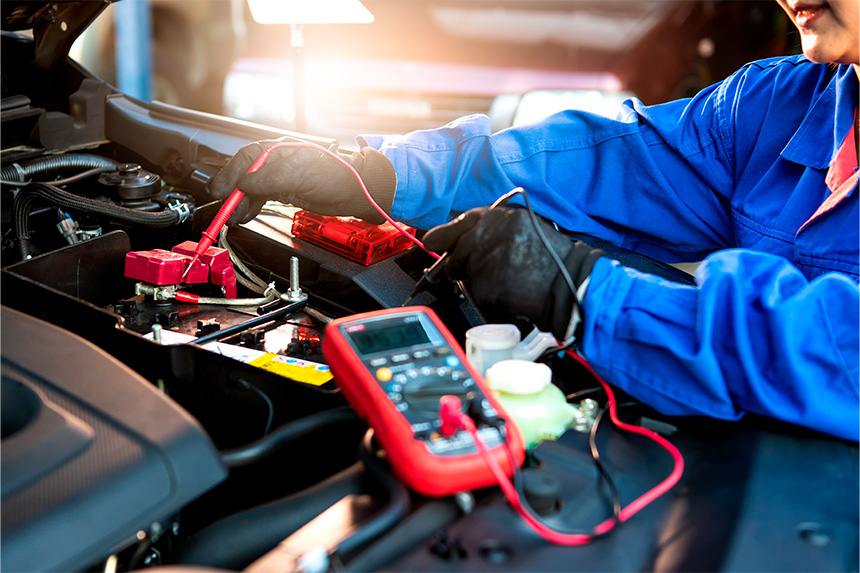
(507,269)
(309,179)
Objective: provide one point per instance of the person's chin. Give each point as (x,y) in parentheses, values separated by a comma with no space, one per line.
(815,52)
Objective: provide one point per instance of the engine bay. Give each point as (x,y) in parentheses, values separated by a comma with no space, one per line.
(156,419)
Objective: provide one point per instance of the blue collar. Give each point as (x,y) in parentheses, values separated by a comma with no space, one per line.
(818,139)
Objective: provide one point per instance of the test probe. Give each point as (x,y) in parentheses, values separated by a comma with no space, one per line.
(210,235)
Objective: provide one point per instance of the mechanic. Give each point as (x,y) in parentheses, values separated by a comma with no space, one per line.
(757,175)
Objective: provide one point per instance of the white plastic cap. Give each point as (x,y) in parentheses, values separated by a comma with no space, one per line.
(494,336)
(519,377)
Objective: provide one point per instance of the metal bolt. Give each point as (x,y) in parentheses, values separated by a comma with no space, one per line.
(580,422)
(465,501)
(295,290)
(589,406)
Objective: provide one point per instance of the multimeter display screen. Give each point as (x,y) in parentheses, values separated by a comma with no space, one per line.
(389,335)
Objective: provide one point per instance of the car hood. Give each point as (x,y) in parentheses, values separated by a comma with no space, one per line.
(55,25)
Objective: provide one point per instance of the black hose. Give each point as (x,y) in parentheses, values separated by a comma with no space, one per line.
(394,511)
(284,435)
(70,201)
(25,169)
(236,541)
(416,529)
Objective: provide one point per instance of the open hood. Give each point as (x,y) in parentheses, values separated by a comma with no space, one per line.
(55,25)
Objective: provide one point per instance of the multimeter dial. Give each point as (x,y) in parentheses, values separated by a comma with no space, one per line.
(424,396)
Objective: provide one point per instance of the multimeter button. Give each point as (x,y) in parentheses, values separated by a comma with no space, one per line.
(452,361)
(426,371)
(376,362)
(401,406)
(399,358)
(419,354)
(443,351)
(383,374)
(393,387)
(442,371)
(412,373)
(400,378)
(394,397)
(467,383)
(423,435)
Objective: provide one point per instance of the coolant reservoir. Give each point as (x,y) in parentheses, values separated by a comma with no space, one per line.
(527,393)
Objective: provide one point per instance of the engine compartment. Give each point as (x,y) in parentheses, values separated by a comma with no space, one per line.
(120,176)
(277,467)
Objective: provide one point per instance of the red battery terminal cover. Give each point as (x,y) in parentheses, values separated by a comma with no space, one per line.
(160,267)
(354,239)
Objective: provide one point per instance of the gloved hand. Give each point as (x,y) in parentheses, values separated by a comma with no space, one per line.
(307,178)
(508,271)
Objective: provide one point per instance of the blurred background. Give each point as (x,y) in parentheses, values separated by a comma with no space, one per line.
(422,63)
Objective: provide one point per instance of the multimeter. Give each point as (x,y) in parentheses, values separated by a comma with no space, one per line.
(393,366)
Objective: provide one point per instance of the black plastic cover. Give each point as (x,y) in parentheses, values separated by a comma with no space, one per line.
(113,456)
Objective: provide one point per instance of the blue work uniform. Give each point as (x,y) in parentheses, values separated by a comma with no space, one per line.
(738,171)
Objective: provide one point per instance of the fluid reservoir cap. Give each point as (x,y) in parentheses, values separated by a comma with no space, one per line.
(490,343)
(494,336)
(519,377)
(132,182)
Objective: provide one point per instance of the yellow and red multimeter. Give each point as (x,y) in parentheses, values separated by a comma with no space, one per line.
(393,366)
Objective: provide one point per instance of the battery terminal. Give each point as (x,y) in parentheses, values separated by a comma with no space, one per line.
(157,292)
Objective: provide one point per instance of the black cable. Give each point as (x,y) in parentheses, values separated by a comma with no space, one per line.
(585,392)
(265,398)
(284,435)
(136,561)
(234,542)
(595,455)
(68,180)
(394,511)
(25,169)
(70,201)
(577,306)
(558,349)
(81,176)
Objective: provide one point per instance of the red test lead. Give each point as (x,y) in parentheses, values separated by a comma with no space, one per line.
(210,235)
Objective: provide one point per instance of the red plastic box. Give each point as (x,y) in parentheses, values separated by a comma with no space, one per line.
(354,239)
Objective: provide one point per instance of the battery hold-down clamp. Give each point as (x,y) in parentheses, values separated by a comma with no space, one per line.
(166,268)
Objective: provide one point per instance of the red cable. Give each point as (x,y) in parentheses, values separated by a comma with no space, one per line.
(367,194)
(626,513)
(678,459)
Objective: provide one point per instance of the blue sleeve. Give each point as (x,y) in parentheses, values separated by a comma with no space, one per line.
(754,336)
(656,180)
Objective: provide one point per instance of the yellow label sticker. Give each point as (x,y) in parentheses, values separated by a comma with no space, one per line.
(294,368)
